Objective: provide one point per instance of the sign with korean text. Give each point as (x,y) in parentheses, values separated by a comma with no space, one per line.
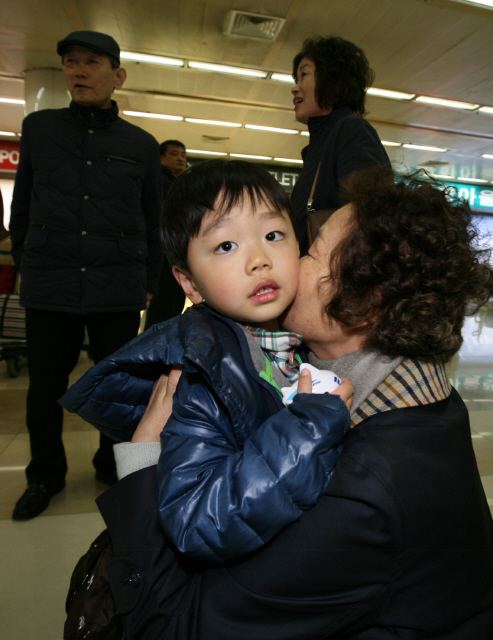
(480,198)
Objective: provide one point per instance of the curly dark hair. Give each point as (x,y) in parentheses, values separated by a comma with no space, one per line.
(410,267)
(342,72)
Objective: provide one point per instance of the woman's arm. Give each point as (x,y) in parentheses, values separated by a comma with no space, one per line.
(327,575)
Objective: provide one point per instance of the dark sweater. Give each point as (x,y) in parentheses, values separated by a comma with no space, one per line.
(341,143)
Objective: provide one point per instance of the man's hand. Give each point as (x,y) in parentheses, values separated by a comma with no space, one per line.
(149,297)
(159,408)
(344,390)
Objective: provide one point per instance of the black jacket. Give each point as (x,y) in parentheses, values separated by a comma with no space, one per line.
(169,299)
(85,211)
(400,545)
(343,143)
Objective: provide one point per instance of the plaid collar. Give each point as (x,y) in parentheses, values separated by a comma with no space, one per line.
(281,348)
(411,384)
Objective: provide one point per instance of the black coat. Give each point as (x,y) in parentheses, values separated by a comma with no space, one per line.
(400,545)
(85,211)
(169,299)
(341,143)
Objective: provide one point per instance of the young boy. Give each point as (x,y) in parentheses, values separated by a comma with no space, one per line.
(235,467)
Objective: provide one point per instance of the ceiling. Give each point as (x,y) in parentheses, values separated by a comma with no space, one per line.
(440,48)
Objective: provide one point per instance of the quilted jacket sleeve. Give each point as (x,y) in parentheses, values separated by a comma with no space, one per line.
(217,502)
(21,199)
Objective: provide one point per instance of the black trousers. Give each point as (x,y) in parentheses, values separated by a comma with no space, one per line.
(54,341)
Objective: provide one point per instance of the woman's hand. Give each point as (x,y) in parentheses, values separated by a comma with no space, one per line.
(344,390)
(159,408)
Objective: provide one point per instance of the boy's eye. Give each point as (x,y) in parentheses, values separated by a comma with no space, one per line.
(226,247)
(274,235)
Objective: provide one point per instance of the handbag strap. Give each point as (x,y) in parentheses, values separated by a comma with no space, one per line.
(310,198)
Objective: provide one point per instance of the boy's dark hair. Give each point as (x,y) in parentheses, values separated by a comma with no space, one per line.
(163,147)
(342,72)
(213,185)
(409,267)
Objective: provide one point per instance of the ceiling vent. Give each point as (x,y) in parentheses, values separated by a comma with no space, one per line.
(240,24)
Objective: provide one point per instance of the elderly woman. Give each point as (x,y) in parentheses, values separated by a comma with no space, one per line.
(331,76)
(400,545)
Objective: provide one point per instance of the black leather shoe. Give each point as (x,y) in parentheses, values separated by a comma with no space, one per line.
(106,476)
(34,501)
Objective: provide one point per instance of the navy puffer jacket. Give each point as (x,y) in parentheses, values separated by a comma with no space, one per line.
(85,211)
(236,467)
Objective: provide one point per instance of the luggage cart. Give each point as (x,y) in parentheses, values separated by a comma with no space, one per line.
(12,333)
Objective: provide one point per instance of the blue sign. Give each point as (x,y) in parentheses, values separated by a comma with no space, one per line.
(479,198)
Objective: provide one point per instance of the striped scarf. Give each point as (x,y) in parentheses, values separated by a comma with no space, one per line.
(281,349)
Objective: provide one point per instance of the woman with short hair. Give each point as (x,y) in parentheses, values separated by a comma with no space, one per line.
(331,76)
(400,545)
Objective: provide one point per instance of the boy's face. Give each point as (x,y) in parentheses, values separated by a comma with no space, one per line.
(244,264)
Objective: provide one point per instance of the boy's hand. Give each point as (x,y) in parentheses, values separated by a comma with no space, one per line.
(344,390)
(159,408)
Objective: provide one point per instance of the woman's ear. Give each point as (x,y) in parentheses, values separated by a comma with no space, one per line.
(185,281)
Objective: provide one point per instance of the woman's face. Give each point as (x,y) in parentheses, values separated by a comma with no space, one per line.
(305,102)
(326,337)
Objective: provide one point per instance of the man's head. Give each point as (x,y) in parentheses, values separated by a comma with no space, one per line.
(91,66)
(228,232)
(173,156)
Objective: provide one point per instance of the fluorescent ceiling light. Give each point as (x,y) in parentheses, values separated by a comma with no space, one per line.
(218,123)
(290,160)
(282,77)
(144,57)
(424,148)
(486,109)
(221,68)
(274,129)
(447,103)
(487,155)
(207,153)
(12,101)
(479,180)
(305,133)
(158,116)
(394,95)
(243,155)
(483,3)
(386,143)
(8,133)
(438,176)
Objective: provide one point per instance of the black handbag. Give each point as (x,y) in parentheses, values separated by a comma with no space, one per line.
(90,606)
(315,218)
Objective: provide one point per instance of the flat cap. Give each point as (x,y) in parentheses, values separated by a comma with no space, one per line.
(101,42)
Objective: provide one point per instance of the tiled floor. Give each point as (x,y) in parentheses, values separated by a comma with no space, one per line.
(37,557)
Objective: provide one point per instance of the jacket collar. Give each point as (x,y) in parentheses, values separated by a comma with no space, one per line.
(410,384)
(94,115)
(316,124)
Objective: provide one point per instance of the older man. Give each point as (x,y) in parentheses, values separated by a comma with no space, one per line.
(84,228)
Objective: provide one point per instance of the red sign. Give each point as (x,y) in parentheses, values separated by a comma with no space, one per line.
(9,155)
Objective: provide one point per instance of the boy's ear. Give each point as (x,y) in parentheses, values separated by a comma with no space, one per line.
(185,281)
